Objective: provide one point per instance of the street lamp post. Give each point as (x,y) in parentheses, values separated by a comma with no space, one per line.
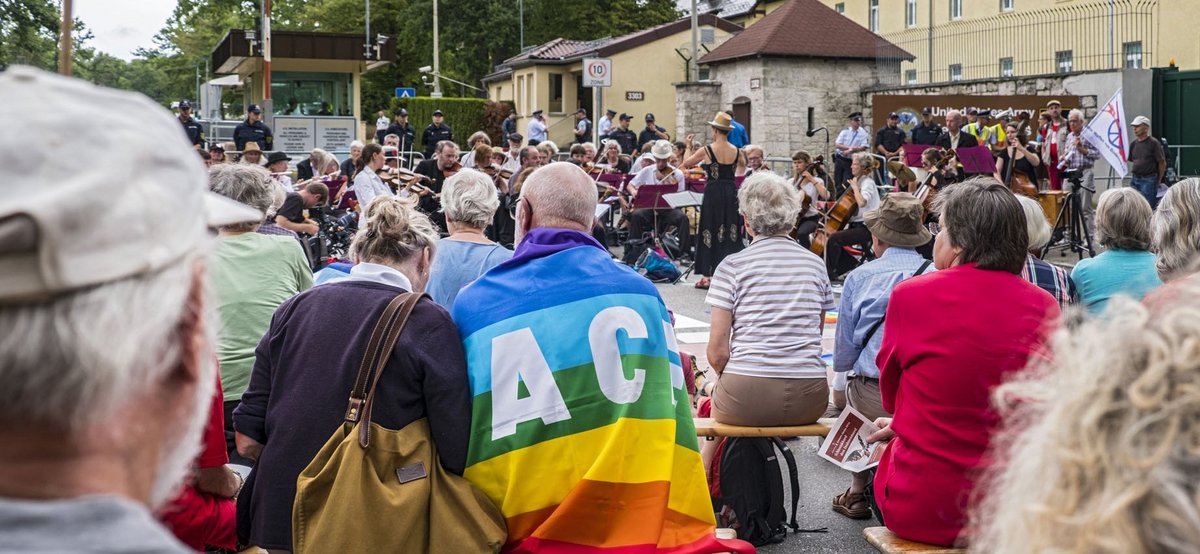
(437,65)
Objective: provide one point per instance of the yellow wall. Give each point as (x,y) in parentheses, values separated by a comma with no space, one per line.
(1174,23)
(650,69)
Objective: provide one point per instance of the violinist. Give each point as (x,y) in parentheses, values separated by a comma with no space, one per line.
(579,156)
(812,189)
(611,161)
(367,184)
(1017,162)
(435,171)
(866,196)
(661,173)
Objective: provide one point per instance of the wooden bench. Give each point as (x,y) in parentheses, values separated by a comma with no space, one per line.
(706,427)
(887,542)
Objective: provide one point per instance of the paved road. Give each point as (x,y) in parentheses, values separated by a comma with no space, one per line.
(820,480)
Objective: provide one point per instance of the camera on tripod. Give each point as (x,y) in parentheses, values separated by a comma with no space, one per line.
(1075,177)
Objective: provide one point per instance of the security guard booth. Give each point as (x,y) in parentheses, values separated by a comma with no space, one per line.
(315,84)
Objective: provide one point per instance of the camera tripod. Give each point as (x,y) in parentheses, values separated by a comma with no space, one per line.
(1070,224)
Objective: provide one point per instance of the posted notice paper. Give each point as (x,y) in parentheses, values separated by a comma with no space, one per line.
(847,447)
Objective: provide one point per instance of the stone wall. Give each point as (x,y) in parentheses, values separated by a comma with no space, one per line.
(695,105)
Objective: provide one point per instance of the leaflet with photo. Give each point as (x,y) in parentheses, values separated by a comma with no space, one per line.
(847,446)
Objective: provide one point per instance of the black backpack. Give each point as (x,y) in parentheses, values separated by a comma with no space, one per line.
(747,490)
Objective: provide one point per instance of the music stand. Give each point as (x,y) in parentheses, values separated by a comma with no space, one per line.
(913,152)
(976,159)
(685,199)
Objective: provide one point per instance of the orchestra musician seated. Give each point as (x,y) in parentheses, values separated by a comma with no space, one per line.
(661,173)
(812,189)
(612,161)
(436,170)
(866,198)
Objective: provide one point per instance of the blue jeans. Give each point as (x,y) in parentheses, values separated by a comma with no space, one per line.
(1148,186)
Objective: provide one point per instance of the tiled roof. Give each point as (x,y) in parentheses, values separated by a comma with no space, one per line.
(557,49)
(805,28)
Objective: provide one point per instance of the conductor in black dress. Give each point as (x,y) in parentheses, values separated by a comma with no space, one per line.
(721,228)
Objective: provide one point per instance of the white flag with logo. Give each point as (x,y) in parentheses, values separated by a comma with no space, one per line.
(1107,131)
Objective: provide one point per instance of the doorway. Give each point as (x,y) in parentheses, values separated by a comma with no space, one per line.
(741,112)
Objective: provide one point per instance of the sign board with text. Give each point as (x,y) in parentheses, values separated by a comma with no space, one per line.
(597,72)
(302,134)
(634,96)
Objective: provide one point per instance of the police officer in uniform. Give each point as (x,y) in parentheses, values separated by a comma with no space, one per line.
(253,130)
(624,135)
(927,131)
(652,132)
(195,132)
(403,129)
(436,132)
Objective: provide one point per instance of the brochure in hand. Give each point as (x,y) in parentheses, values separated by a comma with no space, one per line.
(847,447)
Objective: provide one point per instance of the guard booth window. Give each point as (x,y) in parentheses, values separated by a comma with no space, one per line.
(556,93)
(301,93)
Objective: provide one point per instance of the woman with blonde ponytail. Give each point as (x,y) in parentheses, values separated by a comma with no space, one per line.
(306,364)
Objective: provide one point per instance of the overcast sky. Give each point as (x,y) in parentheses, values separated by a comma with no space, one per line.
(122,26)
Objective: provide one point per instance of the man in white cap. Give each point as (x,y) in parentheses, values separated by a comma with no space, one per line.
(661,173)
(1147,161)
(106,354)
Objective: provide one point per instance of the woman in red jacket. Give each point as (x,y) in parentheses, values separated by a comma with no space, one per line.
(949,338)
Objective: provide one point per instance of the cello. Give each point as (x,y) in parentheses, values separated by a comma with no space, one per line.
(1017,181)
(836,219)
(927,190)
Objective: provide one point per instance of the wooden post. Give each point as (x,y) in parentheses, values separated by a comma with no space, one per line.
(64,39)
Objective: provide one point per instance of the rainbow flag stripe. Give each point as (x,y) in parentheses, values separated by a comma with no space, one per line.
(591,448)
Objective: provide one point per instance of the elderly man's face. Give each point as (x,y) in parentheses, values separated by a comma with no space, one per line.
(391,140)
(954,121)
(355,152)
(447,156)
(1075,122)
(1141,131)
(590,152)
(754,159)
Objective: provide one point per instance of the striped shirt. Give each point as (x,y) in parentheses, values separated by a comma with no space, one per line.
(778,292)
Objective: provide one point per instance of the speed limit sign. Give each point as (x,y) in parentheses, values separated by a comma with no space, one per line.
(597,72)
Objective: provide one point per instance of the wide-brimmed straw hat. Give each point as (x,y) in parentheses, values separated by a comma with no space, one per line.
(899,221)
(722,121)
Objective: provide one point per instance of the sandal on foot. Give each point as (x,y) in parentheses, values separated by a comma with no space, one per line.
(703,283)
(852,505)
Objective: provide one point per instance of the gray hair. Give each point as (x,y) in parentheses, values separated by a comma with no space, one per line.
(469,198)
(392,232)
(1077,113)
(982,217)
(1036,226)
(1123,220)
(356,144)
(769,205)
(476,137)
(1177,228)
(249,184)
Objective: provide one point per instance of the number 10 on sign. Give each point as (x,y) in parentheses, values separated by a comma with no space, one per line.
(597,72)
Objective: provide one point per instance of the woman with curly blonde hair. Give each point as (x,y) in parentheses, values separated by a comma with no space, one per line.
(1101,446)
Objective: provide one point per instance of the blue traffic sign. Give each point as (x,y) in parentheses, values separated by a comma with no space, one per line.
(405,92)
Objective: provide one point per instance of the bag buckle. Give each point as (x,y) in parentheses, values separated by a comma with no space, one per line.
(354,412)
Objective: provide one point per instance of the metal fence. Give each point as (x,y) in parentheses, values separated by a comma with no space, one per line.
(1096,35)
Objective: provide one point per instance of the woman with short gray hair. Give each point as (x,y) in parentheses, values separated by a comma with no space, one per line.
(469,200)
(1127,266)
(768,309)
(252,274)
(1176,226)
(1047,276)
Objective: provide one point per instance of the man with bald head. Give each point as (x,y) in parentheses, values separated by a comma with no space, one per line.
(581,430)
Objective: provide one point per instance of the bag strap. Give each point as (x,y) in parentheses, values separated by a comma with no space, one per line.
(792,476)
(379,350)
(878,324)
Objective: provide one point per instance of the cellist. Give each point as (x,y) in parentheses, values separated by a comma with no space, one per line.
(812,189)
(866,197)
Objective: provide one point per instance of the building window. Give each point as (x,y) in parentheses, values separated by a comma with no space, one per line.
(1133,54)
(955,10)
(840,7)
(708,35)
(1063,61)
(910,76)
(705,74)
(1006,5)
(910,14)
(874,16)
(313,93)
(1006,67)
(956,72)
(556,93)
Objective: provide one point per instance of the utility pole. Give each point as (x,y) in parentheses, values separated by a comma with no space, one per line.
(521,25)
(694,64)
(437,64)
(268,105)
(64,40)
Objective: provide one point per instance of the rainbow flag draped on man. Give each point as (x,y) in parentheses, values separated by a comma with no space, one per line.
(581,431)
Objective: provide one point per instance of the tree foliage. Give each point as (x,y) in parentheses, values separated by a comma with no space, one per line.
(475,36)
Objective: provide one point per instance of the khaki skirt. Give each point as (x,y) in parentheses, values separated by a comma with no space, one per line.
(768,401)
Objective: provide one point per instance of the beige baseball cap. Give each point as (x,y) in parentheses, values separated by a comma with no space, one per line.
(113,190)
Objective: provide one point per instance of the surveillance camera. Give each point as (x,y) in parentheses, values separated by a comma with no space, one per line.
(425,69)
(381,39)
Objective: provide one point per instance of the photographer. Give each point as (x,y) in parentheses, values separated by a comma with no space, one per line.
(290,215)
(1078,160)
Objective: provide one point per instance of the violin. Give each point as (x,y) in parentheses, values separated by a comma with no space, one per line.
(452,170)
(927,190)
